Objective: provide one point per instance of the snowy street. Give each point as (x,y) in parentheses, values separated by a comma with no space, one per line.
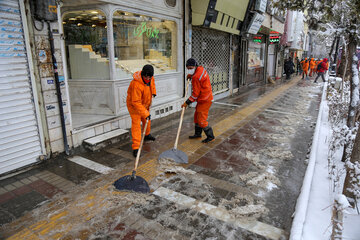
(244,185)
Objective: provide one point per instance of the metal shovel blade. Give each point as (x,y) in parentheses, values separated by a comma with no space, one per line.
(175,154)
(132,184)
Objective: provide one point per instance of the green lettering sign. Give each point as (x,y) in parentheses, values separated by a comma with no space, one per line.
(149,31)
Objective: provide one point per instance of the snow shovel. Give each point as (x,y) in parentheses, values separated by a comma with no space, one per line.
(175,154)
(132,182)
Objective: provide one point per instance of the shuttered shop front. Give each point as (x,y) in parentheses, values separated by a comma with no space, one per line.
(19,134)
(211,49)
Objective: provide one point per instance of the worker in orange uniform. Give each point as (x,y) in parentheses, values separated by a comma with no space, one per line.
(305,67)
(139,97)
(202,94)
(313,66)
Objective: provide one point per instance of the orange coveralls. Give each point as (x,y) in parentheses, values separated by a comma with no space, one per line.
(305,66)
(138,101)
(313,66)
(202,94)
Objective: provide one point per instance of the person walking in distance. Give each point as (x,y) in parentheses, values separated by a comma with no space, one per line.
(312,67)
(305,67)
(139,97)
(321,69)
(202,94)
(289,67)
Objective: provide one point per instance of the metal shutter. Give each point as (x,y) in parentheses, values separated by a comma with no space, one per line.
(19,134)
(211,49)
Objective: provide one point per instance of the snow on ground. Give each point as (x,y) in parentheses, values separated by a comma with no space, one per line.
(312,218)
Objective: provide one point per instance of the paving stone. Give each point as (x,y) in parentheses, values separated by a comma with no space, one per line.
(33,178)
(22,190)
(5,217)
(18,184)
(25,181)
(10,187)
(2,190)
(6,197)
(21,204)
(46,189)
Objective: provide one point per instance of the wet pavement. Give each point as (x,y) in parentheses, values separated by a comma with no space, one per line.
(243,185)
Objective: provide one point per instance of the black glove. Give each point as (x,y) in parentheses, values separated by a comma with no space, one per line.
(148,117)
(154,95)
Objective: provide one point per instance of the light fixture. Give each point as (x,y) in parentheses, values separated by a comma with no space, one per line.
(79,24)
(73,19)
(105,26)
(93,25)
(94,12)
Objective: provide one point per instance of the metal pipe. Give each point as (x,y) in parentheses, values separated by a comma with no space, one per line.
(58,90)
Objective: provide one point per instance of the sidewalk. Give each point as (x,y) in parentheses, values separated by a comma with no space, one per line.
(68,192)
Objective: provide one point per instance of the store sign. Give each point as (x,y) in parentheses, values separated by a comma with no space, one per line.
(148,31)
(257,39)
(274,39)
(255,23)
(260,5)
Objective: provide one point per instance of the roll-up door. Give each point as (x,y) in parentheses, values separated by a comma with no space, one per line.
(19,135)
(212,50)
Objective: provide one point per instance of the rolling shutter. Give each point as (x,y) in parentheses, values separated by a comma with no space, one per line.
(19,135)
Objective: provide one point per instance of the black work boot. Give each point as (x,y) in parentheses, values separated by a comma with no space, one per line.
(135,151)
(198,131)
(209,135)
(149,138)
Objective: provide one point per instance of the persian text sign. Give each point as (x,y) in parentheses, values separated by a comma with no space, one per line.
(148,31)
(260,5)
(255,23)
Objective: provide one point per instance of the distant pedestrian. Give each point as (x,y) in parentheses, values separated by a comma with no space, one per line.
(305,67)
(289,67)
(298,66)
(321,69)
(312,67)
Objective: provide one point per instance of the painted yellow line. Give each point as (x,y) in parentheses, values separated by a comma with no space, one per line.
(148,171)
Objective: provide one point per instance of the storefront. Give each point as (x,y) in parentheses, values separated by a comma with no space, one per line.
(106,44)
(255,59)
(211,48)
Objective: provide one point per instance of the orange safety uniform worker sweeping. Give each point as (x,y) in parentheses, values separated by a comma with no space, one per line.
(138,101)
(305,67)
(202,94)
(313,66)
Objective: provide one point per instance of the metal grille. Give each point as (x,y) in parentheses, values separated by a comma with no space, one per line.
(212,50)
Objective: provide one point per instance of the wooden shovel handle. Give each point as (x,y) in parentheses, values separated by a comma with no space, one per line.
(181,118)
(141,144)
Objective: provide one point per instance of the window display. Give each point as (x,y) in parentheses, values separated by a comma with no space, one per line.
(256,53)
(86,44)
(140,40)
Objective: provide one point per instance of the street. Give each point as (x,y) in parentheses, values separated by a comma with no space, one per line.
(243,185)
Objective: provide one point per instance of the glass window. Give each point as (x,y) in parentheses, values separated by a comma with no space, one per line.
(86,44)
(256,52)
(140,40)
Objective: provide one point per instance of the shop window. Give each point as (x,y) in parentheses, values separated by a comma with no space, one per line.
(86,44)
(256,52)
(140,40)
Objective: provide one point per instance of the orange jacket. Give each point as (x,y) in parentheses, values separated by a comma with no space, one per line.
(201,86)
(312,64)
(305,64)
(139,95)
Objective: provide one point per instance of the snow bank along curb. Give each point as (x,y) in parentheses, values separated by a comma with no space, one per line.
(303,199)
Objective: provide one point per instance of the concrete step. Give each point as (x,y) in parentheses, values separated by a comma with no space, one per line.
(105,139)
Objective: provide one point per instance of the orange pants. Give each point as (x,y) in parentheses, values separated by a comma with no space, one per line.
(136,129)
(312,71)
(202,113)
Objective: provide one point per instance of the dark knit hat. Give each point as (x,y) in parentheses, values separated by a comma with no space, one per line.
(147,70)
(191,63)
